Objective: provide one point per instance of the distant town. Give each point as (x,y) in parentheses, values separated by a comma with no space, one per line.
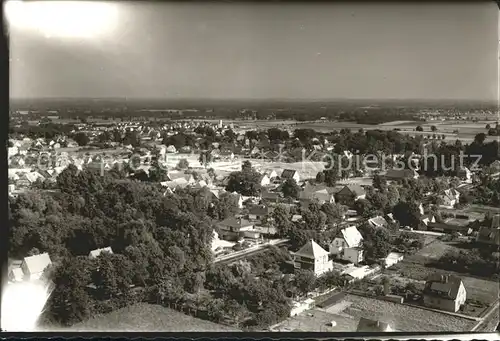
(314,216)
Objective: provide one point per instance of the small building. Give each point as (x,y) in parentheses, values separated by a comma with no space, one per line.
(312,257)
(348,246)
(349,194)
(377,222)
(97,252)
(444,292)
(393,258)
(465,174)
(232,228)
(16,275)
(450,197)
(259,212)
(171,149)
(290,174)
(34,266)
(373,326)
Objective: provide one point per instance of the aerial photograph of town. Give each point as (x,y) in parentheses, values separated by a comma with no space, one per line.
(252,167)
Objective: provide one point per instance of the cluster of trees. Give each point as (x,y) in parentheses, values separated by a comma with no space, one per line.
(160,242)
(255,292)
(480,261)
(246,182)
(487,193)
(377,116)
(47,130)
(319,222)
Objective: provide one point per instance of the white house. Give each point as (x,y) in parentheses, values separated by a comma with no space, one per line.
(348,246)
(445,292)
(377,222)
(312,257)
(272,174)
(34,266)
(450,197)
(264,180)
(97,252)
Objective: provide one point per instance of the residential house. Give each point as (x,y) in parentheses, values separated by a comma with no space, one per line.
(373,326)
(450,197)
(312,257)
(34,266)
(430,219)
(264,180)
(171,149)
(232,228)
(348,245)
(399,174)
(377,222)
(175,175)
(260,212)
(296,218)
(465,175)
(268,197)
(444,292)
(349,194)
(97,252)
(255,151)
(321,194)
(272,174)
(290,174)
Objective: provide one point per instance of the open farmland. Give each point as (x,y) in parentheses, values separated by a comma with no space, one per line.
(148,318)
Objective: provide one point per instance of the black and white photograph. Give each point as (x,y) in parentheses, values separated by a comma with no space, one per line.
(252,167)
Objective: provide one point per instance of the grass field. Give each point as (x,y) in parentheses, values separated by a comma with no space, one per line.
(403,317)
(148,318)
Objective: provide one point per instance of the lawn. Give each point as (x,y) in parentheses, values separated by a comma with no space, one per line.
(148,318)
(403,317)
(317,320)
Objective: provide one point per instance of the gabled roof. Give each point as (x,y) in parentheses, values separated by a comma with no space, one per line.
(235,222)
(352,236)
(354,189)
(37,263)
(95,253)
(261,210)
(446,286)
(311,250)
(288,173)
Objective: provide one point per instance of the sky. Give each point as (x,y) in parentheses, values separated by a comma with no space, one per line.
(254,51)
